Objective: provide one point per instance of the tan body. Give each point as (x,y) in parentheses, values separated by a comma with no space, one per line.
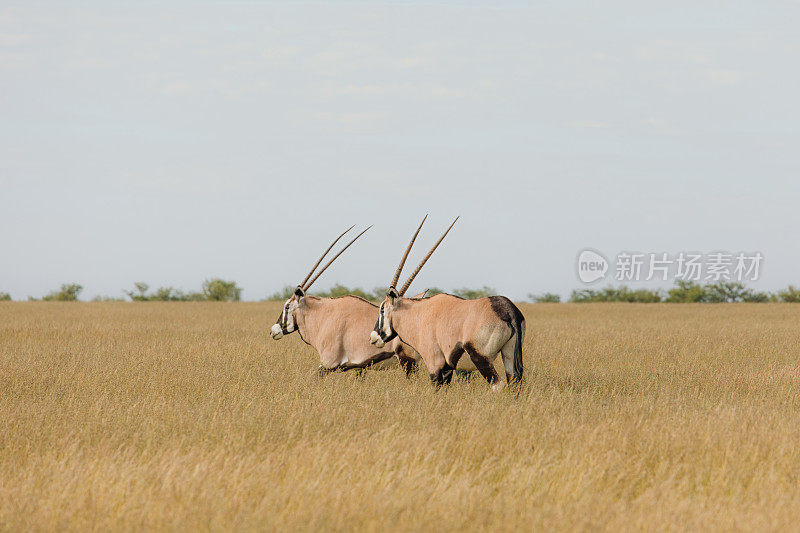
(445,327)
(338,328)
(453,333)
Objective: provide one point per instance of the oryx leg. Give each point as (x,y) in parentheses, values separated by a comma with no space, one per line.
(409,365)
(507,352)
(321,371)
(329,361)
(443,376)
(440,372)
(483,364)
(465,375)
(454,355)
(407,362)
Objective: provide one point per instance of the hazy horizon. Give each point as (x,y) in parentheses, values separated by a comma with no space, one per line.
(170,144)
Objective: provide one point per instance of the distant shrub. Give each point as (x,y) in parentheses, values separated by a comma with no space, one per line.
(474,294)
(732,292)
(282,295)
(616,294)
(340,290)
(375,295)
(169,294)
(545,298)
(194,297)
(140,292)
(791,294)
(336,291)
(107,299)
(759,297)
(686,292)
(219,290)
(724,292)
(719,292)
(378,293)
(5,297)
(646,296)
(67,293)
(212,290)
(166,294)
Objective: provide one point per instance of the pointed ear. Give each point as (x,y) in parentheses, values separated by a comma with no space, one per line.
(299,292)
(392,294)
(422,294)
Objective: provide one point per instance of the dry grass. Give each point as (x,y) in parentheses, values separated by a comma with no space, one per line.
(187,416)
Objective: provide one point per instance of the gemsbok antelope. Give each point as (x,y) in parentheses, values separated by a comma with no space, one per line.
(443,327)
(336,327)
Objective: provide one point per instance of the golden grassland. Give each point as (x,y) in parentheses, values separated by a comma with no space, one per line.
(188,416)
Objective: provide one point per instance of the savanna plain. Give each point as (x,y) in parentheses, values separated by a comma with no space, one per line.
(187,416)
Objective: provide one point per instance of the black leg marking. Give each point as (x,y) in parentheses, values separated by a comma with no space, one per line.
(442,377)
(482,364)
(447,374)
(409,365)
(455,355)
(465,375)
(322,371)
(406,363)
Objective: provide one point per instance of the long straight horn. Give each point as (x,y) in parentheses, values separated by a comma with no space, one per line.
(302,283)
(405,255)
(310,283)
(410,279)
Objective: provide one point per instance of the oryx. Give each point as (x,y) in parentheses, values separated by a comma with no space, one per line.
(337,327)
(441,328)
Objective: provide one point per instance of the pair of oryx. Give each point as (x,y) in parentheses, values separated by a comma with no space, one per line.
(439,329)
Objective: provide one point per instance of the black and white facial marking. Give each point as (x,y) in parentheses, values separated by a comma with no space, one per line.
(286,323)
(383,331)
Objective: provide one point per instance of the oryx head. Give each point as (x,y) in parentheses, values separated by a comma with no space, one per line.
(383,331)
(287,321)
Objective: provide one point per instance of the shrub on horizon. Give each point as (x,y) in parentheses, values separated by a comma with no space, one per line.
(474,294)
(282,295)
(68,293)
(733,292)
(791,294)
(686,291)
(140,294)
(219,290)
(101,298)
(545,298)
(339,290)
(616,294)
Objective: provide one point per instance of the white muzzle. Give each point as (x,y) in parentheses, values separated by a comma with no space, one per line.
(375,339)
(276,332)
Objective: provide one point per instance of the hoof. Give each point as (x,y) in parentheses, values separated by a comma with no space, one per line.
(321,371)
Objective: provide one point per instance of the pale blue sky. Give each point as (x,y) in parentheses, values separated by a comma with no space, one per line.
(234,139)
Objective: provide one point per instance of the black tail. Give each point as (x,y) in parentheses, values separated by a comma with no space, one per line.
(511,315)
(519,329)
